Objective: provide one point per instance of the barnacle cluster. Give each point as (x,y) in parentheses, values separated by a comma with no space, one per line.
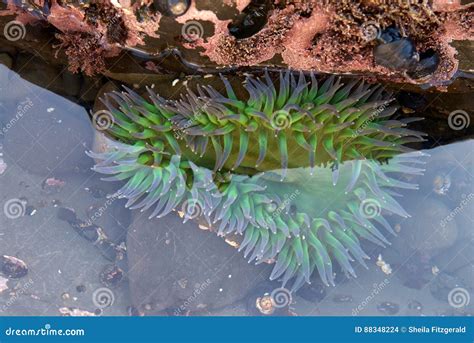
(214,152)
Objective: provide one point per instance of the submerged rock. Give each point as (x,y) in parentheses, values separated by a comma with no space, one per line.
(13,267)
(427,231)
(44,133)
(179,268)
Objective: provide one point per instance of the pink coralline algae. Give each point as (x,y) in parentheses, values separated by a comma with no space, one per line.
(339,37)
(91,31)
(312,35)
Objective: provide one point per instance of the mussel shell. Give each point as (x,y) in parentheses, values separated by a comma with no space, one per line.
(397,55)
(252,19)
(427,65)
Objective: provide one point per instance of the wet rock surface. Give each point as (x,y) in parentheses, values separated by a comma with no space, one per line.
(6,60)
(63,269)
(180,268)
(426,232)
(45,135)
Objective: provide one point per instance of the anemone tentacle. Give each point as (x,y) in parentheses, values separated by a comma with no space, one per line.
(328,123)
(170,154)
(299,242)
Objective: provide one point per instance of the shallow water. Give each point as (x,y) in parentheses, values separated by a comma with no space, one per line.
(165,267)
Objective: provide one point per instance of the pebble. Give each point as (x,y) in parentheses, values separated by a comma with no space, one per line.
(30,210)
(111,276)
(314,292)
(3,166)
(342,298)
(415,306)
(3,284)
(13,267)
(52,185)
(388,308)
(133,311)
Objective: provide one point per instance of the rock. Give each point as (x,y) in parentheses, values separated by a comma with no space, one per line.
(6,60)
(420,238)
(415,308)
(448,179)
(180,268)
(415,271)
(459,256)
(314,292)
(59,261)
(44,133)
(466,274)
(111,276)
(10,50)
(37,71)
(454,291)
(71,82)
(13,267)
(388,308)
(427,231)
(89,89)
(342,298)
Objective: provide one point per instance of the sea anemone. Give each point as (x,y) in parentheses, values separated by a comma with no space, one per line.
(303,208)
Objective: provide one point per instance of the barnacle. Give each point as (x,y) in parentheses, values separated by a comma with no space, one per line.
(331,139)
